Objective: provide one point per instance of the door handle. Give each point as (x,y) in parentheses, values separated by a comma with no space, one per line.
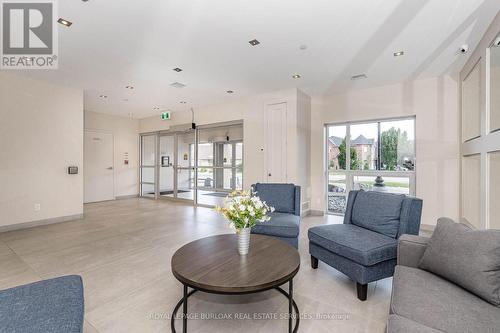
(110,168)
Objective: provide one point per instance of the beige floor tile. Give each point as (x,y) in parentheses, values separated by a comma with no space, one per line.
(83,257)
(333,317)
(88,328)
(58,240)
(144,310)
(125,275)
(14,271)
(123,248)
(4,249)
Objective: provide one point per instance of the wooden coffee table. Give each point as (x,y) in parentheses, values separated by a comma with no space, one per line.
(213,265)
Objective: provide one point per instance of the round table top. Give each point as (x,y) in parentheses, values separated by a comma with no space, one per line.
(213,264)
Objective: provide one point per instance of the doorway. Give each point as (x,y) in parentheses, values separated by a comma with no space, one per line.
(167,165)
(276,143)
(176,167)
(98,167)
(201,166)
(220,170)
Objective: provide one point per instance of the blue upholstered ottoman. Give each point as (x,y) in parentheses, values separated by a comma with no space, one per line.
(49,306)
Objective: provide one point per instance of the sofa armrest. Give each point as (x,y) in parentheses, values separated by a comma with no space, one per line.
(411,249)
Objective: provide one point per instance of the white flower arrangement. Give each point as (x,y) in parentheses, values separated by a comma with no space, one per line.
(244,210)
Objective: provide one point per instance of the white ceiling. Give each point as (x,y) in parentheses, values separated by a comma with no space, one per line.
(115,43)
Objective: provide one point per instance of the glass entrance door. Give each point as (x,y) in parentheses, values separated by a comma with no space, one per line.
(176,166)
(148,166)
(185,177)
(200,166)
(220,171)
(166,166)
(220,163)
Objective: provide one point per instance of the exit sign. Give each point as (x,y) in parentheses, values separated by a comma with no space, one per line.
(165,115)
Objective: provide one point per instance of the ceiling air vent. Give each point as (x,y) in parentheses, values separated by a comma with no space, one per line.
(178,85)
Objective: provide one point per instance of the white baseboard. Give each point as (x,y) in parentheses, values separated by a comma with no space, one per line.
(38,223)
(426,229)
(314,212)
(123,197)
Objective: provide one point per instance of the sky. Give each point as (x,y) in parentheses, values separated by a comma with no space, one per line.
(369,130)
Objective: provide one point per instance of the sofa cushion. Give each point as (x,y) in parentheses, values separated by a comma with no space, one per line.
(469,258)
(355,243)
(435,302)
(281,225)
(398,324)
(379,212)
(54,305)
(279,196)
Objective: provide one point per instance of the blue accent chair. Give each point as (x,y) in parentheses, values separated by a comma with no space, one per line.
(285,220)
(364,247)
(49,306)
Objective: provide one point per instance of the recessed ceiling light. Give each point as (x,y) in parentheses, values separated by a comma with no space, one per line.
(254,42)
(296,76)
(64,22)
(178,85)
(399,54)
(230,92)
(183,102)
(103,96)
(177,69)
(125,100)
(359,77)
(303,47)
(129,87)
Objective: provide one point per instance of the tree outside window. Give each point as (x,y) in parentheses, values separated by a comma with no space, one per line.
(342,157)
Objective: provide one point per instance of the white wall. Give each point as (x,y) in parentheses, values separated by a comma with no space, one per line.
(41,134)
(434,102)
(251,111)
(126,140)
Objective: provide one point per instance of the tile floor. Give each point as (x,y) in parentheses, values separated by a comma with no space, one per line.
(122,250)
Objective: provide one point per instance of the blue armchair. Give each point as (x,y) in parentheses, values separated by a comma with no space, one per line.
(285,221)
(365,247)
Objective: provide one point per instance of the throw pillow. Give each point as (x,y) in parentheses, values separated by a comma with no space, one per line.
(469,258)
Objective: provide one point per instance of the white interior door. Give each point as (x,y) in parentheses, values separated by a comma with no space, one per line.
(98,167)
(276,143)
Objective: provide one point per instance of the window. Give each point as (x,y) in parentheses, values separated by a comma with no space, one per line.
(364,142)
(336,145)
(397,145)
(374,156)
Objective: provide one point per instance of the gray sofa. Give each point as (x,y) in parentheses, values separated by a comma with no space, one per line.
(364,247)
(285,221)
(423,302)
(49,306)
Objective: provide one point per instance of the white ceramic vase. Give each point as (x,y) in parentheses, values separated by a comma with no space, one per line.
(243,241)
